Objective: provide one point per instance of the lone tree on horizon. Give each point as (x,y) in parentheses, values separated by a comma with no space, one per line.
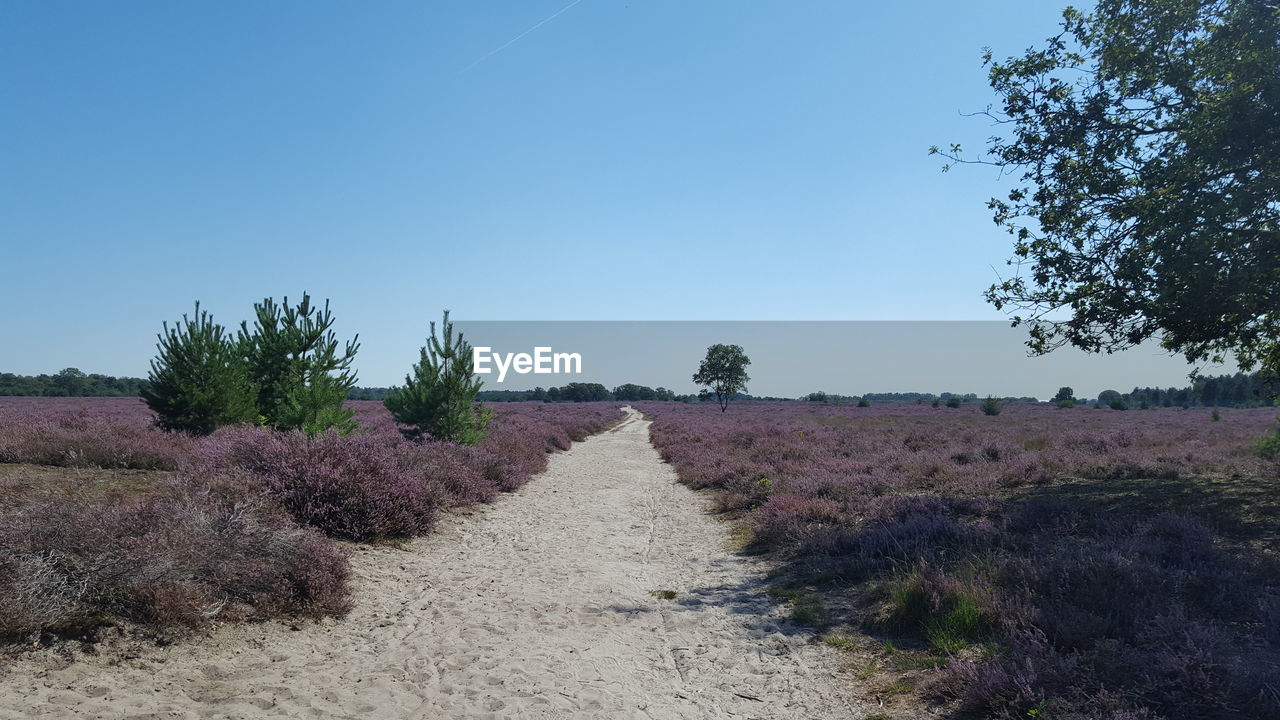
(1065,398)
(724,371)
(1143,139)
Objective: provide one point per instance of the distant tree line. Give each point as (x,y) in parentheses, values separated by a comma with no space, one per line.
(70,382)
(368,393)
(583,392)
(903,397)
(572,392)
(1241,390)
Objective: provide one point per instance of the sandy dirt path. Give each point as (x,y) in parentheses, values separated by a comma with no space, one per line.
(540,606)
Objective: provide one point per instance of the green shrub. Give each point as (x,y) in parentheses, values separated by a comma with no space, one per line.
(1268,446)
(807,609)
(1119,404)
(438,399)
(948,614)
(198,382)
(990,406)
(953,402)
(1106,397)
(302,379)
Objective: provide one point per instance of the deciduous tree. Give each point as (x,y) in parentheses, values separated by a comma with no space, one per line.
(1145,139)
(724,372)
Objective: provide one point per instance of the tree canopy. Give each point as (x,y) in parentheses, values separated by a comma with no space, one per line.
(724,372)
(1145,141)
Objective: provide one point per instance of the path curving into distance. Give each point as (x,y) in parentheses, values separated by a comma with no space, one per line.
(537,607)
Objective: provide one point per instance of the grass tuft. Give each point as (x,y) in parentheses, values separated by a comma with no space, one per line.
(840,641)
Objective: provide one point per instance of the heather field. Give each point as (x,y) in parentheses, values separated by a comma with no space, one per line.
(1072,563)
(108,520)
(1067,563)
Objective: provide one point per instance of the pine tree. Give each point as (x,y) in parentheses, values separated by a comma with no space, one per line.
(197,381)
(990,406)
(302,378)
(438,399)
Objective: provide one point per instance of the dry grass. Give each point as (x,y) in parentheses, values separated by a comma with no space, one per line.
(23,482)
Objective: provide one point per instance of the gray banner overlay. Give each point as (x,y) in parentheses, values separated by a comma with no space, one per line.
(790,359)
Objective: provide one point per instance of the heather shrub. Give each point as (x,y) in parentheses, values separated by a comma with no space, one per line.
(504,472)
(788,517)
(580,428)
(1146,608)
(887,542)
(198,548)
(1027,681)
(834,486)
(219,540)
(465,476)
(1269,609)
(70,440)
(1105,608)
(513,453)
(375,483)
(350,486)
(1057,516)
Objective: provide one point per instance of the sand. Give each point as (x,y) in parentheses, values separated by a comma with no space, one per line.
(541,606)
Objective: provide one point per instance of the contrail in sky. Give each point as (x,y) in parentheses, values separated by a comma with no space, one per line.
(515,39)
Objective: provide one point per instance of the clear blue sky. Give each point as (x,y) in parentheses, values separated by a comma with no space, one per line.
(624,160)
